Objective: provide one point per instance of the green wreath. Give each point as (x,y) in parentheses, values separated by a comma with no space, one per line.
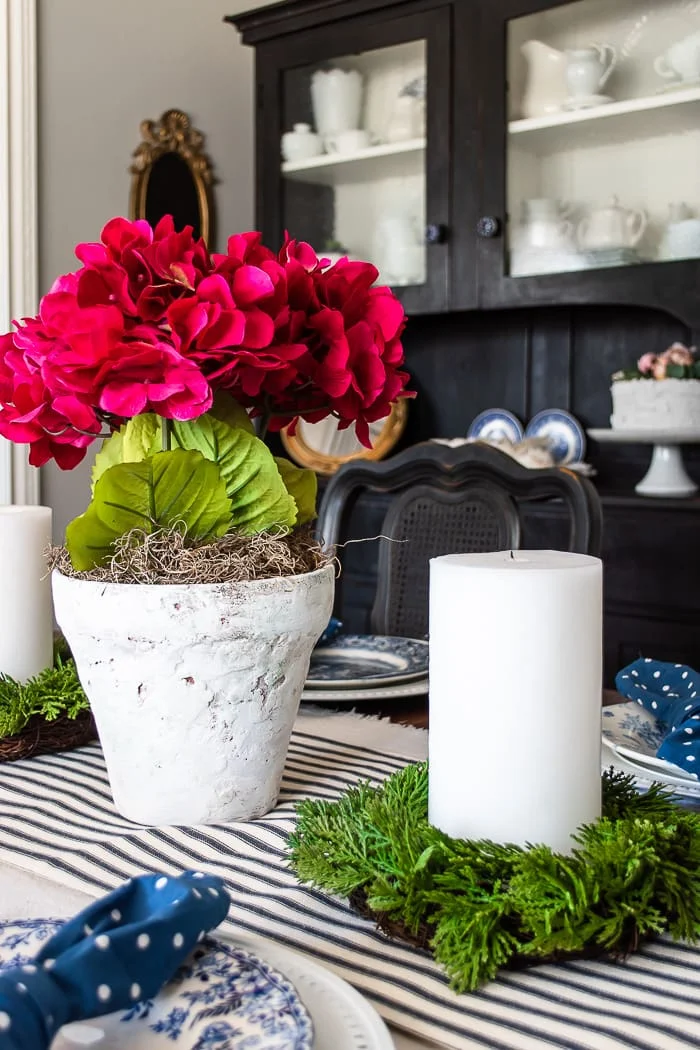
(53,693)
(480,906)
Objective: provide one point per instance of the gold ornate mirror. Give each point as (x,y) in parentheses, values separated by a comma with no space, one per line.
(172,175)
(324,448)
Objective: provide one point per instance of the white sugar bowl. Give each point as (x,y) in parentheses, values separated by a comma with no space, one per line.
(301,144)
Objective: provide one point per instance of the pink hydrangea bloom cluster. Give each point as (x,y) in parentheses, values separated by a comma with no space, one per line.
(655,366)
(153,322)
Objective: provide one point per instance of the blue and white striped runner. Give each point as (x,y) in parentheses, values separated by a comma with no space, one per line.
(57,820)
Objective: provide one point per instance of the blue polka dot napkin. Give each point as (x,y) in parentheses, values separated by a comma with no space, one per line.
(118,951)
(672,693)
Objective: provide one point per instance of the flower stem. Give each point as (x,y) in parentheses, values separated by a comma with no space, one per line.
(165,435)
(264,420)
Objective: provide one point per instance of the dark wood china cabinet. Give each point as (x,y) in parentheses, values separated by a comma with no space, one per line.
(526,176)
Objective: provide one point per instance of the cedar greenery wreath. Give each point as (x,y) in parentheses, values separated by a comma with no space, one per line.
(48,713)
(479,906)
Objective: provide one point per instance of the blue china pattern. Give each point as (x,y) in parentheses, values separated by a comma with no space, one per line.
(633,726)
(567,441)
(496,424)
(359,657)
(222,998)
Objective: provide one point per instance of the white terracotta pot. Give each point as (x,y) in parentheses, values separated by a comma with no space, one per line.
(194,688)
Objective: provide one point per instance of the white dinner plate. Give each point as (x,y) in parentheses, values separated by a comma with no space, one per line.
(379,693)
(644,777)
(342,1018)
(366,660)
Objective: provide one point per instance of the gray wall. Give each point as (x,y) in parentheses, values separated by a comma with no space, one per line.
(103,67)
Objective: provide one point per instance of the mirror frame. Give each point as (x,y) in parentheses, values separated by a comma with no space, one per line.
(302,453)
(173,133)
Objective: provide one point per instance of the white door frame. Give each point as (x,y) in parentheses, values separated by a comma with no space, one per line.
(19,483)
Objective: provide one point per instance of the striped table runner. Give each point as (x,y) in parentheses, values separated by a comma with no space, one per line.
(57,820)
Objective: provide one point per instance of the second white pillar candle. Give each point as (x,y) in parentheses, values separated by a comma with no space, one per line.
(26,610)
(515,695)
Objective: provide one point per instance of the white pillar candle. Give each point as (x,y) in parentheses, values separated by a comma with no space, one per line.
(515,695)
(26,612)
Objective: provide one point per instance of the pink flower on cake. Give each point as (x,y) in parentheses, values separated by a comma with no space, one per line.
(678,354)
(645,364)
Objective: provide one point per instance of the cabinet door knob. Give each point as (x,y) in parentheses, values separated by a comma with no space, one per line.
(435,233)
(488,226)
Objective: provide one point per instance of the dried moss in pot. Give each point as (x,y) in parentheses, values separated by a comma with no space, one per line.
(167,556)
(479,907)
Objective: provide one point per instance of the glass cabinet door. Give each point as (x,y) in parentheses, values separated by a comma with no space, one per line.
(602,138)
(356,178)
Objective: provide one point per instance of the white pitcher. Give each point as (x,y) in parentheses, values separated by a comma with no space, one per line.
(545,86)
(336,96)
(398,250)
(588,69)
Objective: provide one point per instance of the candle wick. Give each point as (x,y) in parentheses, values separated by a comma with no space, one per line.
(512,556)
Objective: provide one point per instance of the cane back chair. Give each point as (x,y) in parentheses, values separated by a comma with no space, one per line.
(444,501)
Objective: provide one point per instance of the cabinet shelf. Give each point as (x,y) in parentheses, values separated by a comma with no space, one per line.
(661,114)
(329,169)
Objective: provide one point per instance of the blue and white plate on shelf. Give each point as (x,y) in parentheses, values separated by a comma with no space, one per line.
(567,440)
(221,996)
(496,424)
(367,660)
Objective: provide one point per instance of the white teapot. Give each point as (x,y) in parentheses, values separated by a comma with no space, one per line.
(612,227)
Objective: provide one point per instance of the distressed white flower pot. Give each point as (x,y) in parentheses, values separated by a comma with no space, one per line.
(194,688)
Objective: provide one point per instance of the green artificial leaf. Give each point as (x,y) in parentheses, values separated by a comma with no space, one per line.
(302,484)
(676,371)
(229,411)
(142,437)
(696,370)
(133,442)
(111,452)
(170,487)
(259,499)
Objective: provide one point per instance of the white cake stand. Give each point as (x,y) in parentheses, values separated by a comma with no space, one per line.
(667,475)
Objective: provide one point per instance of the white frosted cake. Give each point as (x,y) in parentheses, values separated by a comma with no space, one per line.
(649,404)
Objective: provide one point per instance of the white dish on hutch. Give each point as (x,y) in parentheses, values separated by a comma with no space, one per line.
(640,140)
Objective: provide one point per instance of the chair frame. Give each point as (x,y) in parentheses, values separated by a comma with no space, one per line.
(449,470)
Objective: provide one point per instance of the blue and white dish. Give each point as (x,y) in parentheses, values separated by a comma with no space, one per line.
(634,734)
(564,433)
(367,659)
(221,997)
(496,424)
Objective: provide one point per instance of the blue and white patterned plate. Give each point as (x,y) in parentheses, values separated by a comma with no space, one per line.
(365,660)
(567,440)
(495,424)
(222,998)
(635,734)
